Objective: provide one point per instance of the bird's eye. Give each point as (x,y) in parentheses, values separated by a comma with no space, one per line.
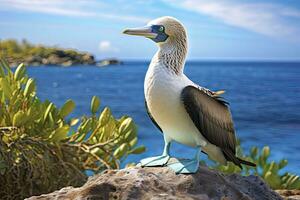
(161,29)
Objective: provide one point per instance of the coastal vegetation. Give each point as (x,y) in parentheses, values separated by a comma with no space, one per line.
(35,55)
(42,149)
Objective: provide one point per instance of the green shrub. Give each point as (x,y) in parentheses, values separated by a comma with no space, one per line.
(268,170)
(42,150)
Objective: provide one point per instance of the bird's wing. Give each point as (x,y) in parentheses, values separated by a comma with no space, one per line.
(212,117)
(151,117)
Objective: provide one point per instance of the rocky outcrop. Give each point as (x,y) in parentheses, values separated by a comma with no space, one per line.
(16,52)
(37,55)
(109,61)
(162,183)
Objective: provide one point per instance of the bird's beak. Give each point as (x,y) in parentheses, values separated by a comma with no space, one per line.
(143,31)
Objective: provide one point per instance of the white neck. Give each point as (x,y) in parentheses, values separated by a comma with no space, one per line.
(172,55)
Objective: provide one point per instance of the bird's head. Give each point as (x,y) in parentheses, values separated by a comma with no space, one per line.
(162,30)
(170,35)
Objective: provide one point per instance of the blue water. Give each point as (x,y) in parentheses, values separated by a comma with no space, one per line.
(264,99)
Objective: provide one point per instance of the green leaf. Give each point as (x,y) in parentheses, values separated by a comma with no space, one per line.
(32,113)
(19,119)
(60,134)
(20,72)
(5,65)
(130,135)
(30,87)
(273,167)
(266,152)
(254,152)
(6,87)
(293,181)
(86,126)
(138,150)
(126,126)
(133,142)
(95,104)
(283,163)
(105,116)
(51,120)
(121,150)
(48,110)
(81,137)
(67,108)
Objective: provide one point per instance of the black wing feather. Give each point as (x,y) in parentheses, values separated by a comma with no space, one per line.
(212,118)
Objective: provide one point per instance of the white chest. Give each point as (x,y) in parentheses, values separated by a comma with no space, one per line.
(162,88)
(162,92)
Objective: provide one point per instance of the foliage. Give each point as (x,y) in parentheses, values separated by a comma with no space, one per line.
(42,150)
(268,170)
(17,52)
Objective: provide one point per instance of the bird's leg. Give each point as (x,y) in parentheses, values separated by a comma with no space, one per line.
(187,166)
(158,160)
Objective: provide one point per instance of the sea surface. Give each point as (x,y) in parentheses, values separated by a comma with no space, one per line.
(264,99)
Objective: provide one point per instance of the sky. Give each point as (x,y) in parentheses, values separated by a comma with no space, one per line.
(217,29)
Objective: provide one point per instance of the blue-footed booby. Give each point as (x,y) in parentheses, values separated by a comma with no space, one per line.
(182,110)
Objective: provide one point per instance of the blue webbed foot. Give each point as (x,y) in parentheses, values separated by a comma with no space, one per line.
(185,166)
(158,160)
(155,161)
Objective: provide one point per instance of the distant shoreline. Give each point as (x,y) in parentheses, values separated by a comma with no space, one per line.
(39,55)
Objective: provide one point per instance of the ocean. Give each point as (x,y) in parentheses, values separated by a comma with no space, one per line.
(264,99)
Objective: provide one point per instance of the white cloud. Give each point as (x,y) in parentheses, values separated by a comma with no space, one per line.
(71,8)
(63,7)
(106,46)
(267,19)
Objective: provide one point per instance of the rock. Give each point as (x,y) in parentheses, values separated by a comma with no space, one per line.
(157,183)
(45,61)
(32,59)
(67,63)
(59,53)
(106,62)
(88,59)
(289,194)
(53,59)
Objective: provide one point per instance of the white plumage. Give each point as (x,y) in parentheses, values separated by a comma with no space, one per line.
(162,88)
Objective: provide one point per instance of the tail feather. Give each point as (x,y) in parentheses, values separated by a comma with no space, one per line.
(229,155)
(245,162)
